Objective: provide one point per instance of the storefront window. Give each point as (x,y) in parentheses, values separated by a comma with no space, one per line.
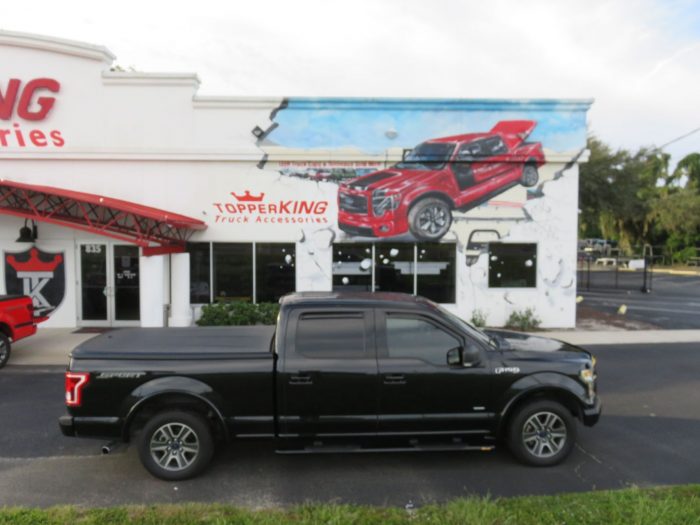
(394,267)
(199,272)
(352,267)
(274,271)
(233,272)
(512,265)
(397,267)
(436,271)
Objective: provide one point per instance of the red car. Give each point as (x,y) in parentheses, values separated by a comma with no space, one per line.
(17,321)
(453,173)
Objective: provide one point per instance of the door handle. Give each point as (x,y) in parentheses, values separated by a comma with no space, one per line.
(300,380)
(394,379)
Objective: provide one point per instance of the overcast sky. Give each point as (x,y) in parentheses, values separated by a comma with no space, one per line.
(639,60)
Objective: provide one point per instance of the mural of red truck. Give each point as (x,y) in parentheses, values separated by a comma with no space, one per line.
(436,177)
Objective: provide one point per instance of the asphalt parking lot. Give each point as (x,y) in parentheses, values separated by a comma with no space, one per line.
(673,303)
(647,436)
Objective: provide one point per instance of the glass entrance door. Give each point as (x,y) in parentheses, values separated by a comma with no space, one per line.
(109,285)
(126,283)
(93,284)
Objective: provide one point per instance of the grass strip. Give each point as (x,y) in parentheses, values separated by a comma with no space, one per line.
(678,505)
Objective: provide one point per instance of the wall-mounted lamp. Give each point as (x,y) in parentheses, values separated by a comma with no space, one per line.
(28,233)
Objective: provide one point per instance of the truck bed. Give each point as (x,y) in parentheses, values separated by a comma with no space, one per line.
(229,342)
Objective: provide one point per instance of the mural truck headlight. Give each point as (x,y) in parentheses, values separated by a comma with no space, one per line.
(383,201)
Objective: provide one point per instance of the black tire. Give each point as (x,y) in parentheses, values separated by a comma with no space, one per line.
(536,443)
(430,219)
(530,176)
(5,348)
(177,462)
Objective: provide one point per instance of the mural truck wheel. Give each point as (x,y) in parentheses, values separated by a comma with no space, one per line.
(530,176)
(430,219)
(4,349)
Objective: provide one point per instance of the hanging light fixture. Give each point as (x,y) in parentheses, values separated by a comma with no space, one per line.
(27,233)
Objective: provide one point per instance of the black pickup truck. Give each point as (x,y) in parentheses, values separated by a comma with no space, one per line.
(340,372)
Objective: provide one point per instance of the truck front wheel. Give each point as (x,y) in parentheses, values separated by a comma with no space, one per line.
(542,433)
(429,219)
(176,445)
(4,349)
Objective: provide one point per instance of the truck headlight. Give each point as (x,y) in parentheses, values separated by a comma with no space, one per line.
(587,375)
(383,200)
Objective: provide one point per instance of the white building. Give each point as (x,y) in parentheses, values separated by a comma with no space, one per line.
(118,169)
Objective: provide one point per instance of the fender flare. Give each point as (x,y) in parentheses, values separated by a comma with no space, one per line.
(542,382)
(184,386)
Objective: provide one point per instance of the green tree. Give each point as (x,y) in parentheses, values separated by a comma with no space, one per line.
(616,193)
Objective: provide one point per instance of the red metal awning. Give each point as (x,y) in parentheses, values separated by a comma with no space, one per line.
(115,218)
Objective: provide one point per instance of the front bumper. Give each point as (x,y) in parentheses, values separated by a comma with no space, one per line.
(388,225)
(590,415)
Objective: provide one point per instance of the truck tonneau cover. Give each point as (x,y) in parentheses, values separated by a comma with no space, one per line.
(230,342)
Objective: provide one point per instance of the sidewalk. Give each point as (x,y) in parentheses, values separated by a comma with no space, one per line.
(51,346)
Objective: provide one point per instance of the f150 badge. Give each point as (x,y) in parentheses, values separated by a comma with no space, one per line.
(507,370)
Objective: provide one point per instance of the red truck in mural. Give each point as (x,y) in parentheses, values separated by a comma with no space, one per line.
(17,321)
(440,175)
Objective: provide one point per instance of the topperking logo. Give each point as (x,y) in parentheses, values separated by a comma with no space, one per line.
(246,208)
(38,274)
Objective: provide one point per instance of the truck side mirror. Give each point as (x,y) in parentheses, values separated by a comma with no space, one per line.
(454,356)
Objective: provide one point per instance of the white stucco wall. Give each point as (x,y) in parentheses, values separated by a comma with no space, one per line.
(149,139)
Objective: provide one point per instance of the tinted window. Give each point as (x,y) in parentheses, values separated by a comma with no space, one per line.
(495,146)
(352,267)
(331,335)
(512,265)
(393,271)
(233,272)
(415,338)
(274,271)
(436,271)
(199,272)
(427,156)
(473,149)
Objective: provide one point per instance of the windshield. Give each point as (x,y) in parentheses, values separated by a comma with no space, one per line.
(472,331)
(427,156)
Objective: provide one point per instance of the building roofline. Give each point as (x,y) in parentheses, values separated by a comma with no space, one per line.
(56,45)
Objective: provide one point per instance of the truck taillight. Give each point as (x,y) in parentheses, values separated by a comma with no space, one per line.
(75,382)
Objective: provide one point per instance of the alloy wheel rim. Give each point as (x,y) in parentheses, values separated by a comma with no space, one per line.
(433,220)
(530,176)
(3,351)
(544,434)
(174,446)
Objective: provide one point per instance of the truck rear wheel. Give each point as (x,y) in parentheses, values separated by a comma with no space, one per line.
(429,219)
(4,349)
(176,445)
(542,433)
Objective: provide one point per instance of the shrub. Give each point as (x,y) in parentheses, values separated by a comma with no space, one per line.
(238,314)
(523,320)
(478,318)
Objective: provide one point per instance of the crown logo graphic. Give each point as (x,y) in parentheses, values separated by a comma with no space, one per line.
(34,264)
(247,197)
